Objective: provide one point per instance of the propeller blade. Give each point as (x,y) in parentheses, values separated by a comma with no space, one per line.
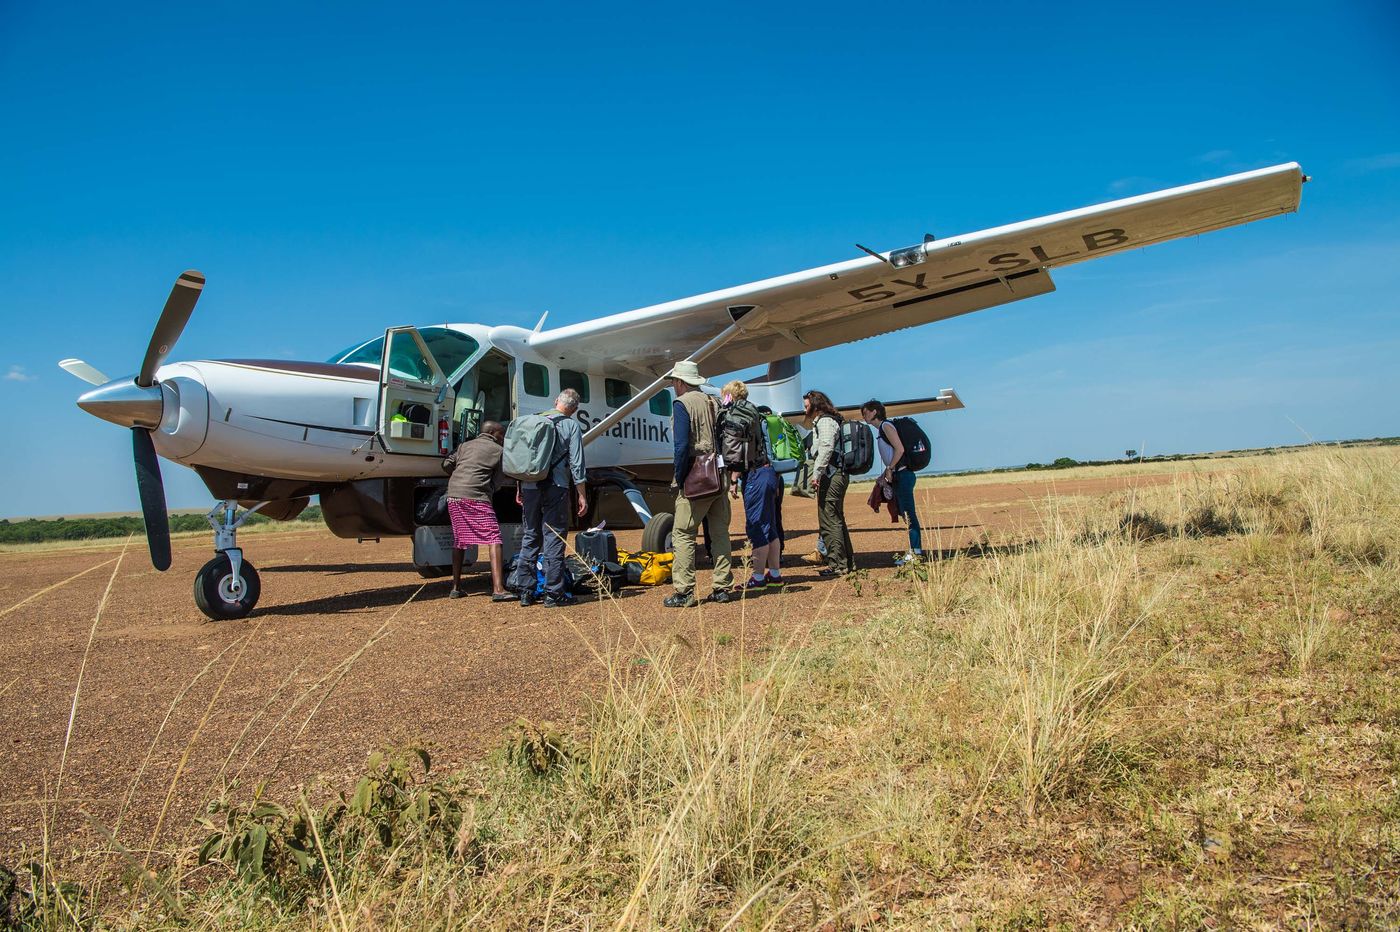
(178,308)
(152,491)
(83,371)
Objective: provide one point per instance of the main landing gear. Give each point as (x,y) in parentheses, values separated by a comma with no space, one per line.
(227,587)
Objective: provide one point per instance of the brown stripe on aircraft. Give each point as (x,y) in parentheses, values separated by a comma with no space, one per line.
(331,369)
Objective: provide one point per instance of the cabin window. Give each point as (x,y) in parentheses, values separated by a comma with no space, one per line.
(661,403)
(616,392)
(536,379)
(578,381)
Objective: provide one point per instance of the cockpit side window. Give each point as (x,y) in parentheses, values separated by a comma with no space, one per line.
(449,348)
(361,353)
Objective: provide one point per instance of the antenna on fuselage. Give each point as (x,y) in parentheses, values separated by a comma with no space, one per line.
(870,252)
(539,326)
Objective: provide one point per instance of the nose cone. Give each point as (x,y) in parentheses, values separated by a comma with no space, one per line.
(123,402)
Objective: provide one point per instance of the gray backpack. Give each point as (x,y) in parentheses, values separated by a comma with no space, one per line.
(532,448)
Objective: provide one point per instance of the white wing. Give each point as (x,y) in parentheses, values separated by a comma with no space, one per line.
(946,400)
(863,297)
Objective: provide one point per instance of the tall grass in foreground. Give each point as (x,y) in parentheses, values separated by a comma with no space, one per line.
(907,765)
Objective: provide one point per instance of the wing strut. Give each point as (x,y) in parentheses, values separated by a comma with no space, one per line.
(748,322)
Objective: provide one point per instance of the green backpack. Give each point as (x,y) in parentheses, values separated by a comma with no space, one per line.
(786,443)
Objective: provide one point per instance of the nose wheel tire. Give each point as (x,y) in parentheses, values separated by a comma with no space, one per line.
(220,596)
(656,537)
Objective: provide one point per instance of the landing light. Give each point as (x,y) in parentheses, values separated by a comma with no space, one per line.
(903,258)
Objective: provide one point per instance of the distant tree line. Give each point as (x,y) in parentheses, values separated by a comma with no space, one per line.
(38,531)
(1065,462)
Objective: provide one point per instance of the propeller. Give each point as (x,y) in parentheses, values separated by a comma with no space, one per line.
(151,488)
(178,308)
(82,370)
(138,404)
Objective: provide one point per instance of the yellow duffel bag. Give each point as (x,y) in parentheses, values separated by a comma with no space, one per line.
(644,568)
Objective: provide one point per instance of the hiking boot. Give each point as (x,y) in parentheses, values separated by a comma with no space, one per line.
(559,601)
(830,573)
(680,600)
(527,598)
(722,596)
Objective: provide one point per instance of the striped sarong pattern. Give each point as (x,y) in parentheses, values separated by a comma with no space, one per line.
(474,524)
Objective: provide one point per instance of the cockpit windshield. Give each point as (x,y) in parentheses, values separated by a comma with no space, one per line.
(450,349)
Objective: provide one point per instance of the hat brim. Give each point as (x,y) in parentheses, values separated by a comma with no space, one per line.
(696,383)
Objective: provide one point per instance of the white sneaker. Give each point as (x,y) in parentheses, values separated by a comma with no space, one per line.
(907,557)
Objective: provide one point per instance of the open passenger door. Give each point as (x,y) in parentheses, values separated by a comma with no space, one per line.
(415,399)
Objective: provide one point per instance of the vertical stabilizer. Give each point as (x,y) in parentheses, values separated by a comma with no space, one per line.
(781,388)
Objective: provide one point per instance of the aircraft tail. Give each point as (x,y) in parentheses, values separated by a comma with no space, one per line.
(781,388)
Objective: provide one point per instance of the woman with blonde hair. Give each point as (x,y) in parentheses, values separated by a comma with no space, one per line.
(746,456)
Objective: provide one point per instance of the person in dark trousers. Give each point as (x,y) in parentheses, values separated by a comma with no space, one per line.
(782,488)
(475,474)
(830,481)
(900,476)
(545,510)
(742,429)
(693,425)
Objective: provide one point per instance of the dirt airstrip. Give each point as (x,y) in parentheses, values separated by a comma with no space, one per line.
(349,651)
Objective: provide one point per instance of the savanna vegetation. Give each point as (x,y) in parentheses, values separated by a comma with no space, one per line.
(1175,707)
(44,530)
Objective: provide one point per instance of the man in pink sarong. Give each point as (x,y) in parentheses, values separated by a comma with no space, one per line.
(475,469)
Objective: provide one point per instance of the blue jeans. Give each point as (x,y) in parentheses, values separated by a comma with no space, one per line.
(904,500)
(544,523)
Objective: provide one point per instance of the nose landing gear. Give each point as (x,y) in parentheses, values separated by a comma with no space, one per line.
(227,587)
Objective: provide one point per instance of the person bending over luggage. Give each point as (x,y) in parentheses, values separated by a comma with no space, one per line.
(693,417)
(898,474)
(475,469)
(741,432)
(830,481)
(545,510)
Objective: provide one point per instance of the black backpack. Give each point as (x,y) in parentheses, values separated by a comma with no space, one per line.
(918,452)
(737,426)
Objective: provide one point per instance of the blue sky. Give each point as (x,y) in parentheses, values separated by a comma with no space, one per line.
(337,169)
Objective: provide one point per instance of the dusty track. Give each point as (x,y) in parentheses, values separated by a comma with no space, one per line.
(453,674)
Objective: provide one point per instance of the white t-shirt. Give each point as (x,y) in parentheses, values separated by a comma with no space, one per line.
(886,450)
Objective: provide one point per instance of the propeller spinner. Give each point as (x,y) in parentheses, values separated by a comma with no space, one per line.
(138,403)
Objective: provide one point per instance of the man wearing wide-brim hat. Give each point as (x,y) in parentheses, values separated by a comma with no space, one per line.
(693,417)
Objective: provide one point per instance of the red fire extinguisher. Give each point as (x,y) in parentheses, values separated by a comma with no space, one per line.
(444,436)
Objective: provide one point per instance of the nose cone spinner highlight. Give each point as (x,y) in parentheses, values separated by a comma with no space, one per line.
(124,402)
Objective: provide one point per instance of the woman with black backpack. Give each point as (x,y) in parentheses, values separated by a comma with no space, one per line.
(904,448)
(830,480)
(741,433)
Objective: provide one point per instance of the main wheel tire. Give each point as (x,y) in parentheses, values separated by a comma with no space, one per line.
(435,572)
(213,589)
(656,537)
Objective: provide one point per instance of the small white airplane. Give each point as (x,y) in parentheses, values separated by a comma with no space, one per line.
(366,430)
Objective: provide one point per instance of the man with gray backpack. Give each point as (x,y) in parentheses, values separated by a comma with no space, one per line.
(544,454)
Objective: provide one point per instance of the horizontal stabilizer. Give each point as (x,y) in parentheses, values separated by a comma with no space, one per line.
(946,400)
